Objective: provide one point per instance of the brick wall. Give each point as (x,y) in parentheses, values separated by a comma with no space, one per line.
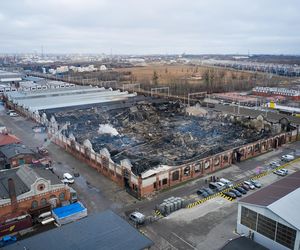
(26,203)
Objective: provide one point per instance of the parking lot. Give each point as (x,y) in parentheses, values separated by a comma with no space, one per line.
(206,226)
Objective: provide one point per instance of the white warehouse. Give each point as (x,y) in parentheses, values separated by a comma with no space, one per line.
(271,215)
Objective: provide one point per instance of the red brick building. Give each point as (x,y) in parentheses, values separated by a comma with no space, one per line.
(27,189)
(14,155)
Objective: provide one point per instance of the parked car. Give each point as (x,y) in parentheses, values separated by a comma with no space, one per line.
(9,111)
(256,183)
(7,240)
(246,187)
(216,186)
(43,151)
(137,217)
(280,172)
(241,190)
(228,183)
(202,192)
(249,184)
(274,164)
(230,194)
(285,170)
(67,178)
(208,190)
(236,192)
(287,157)
(221,185)
(13,114)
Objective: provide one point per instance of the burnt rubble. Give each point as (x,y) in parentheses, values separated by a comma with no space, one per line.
(149,134)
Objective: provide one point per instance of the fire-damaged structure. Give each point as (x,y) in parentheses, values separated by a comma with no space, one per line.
(148,144)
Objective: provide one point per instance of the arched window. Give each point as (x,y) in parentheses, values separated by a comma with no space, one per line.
(62,196)
(43,202)
(34,204)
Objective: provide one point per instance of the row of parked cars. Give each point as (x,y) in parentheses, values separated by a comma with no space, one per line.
(276,164)
(233,192)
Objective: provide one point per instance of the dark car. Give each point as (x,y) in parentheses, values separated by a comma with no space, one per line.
(236,192)
(245,187)
(208,190)
(230,194)
(202,192)
(241,190)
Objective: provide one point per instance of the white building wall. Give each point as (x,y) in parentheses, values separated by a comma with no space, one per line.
(259,238)
(149,181)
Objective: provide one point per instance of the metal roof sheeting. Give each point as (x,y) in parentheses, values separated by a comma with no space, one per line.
(105,231)
(66,98)
(288,208)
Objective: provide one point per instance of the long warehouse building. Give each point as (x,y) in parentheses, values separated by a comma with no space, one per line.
(60,98)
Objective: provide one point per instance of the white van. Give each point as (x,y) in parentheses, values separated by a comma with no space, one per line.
(67,178)
(228,183)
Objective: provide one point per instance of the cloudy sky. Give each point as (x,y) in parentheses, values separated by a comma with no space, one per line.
(148,27)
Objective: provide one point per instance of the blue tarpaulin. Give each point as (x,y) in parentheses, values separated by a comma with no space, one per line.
(62,212)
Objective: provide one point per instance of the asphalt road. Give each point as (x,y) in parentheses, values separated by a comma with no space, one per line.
(95,191)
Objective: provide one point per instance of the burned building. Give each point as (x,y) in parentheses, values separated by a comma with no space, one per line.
(150,146)
(147,144)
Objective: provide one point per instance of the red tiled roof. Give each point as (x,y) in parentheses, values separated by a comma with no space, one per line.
(6,139)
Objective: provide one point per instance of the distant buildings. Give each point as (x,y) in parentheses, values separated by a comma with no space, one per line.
(274,91)
(65,68)
(271,215)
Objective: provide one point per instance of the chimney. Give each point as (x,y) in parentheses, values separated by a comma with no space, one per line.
(12,195)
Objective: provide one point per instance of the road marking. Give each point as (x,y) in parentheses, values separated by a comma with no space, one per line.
(183,240)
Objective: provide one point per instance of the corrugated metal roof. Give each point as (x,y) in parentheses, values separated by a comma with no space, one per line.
(288,208)
(12,150)
(66,98)
(105,231)
(277,190)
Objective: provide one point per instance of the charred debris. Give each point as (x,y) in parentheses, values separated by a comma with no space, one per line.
(161,133)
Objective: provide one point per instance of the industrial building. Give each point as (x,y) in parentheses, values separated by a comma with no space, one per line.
(10,77)
(146,144)
(14,155)
(64,97)
(293,94)
(28,191)
(271,216)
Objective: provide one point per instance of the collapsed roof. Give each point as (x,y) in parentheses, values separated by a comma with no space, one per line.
(152,134)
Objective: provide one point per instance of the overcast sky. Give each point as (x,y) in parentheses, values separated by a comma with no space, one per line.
(148,27)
